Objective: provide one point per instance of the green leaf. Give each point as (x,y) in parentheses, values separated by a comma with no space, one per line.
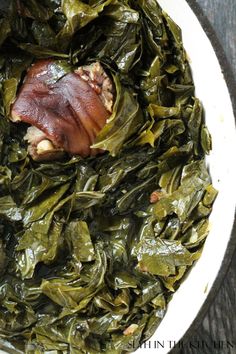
(187,196)
(9,94)
(79,240)
(47,243)
(16,153)
(123,123)
(9,209)
(2,257)
(72,295)
(163,112)
(161,257)
(35,10)
(38,211)
(5,177)
(41,52)
(194,125)
(91,249)
(206,142)
(58,69)
(78,15)
(5,29)
(44,35)
(210,195)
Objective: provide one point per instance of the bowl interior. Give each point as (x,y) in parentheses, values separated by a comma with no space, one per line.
(212,90)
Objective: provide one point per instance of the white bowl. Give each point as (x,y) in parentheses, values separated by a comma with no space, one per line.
(188,302)
(212,90)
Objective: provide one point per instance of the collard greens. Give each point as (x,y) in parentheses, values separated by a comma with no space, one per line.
(92,249)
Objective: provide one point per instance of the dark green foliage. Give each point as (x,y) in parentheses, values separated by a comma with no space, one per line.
(92,249)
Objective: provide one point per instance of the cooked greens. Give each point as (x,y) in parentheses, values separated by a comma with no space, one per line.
(91,250)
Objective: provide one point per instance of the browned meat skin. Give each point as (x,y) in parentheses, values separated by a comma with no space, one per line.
(70,112)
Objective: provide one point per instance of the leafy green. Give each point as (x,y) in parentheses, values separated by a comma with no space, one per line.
(91,249)
(194,124)
(80,243)
(5,29)
(78,14)
(163,112)
(125,120)
(40,51)
(9,89)
(206,142)
(38,210)
(5,178)
(185,198)
(44,34)
(45,248)
(9,209)
(161,257)
(2,257)
(33,9)
(58,70)
(11,78)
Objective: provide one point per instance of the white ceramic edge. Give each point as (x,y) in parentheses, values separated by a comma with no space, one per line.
(212,90)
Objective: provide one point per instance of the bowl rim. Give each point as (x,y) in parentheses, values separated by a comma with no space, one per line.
(230,80)
(228,74)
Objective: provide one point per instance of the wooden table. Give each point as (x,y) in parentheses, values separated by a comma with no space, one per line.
(217,332)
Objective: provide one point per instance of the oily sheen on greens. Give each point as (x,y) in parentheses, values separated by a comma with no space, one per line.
(91,250)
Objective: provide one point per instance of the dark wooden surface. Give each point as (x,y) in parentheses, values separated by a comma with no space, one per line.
(217,332)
